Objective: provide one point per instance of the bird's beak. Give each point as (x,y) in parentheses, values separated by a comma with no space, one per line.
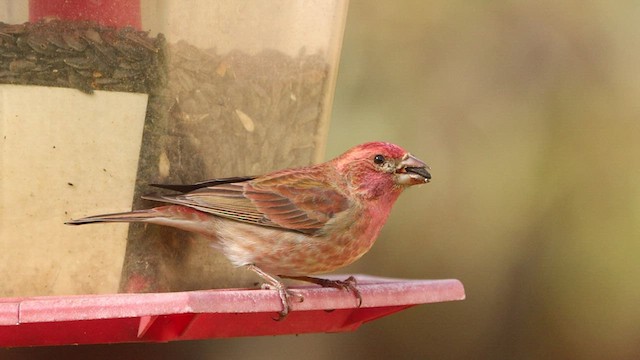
(412,171)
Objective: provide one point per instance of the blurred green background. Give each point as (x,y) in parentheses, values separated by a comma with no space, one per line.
(528,113)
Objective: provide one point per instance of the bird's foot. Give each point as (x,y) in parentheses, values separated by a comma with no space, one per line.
(286,296)
(283,292)
(348,284)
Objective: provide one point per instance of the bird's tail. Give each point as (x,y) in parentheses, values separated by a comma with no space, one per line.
(176,216)
(131,216)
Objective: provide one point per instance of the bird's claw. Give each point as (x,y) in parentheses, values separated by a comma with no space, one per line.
(290,293)
(285,297)
(348,284)
(284,293)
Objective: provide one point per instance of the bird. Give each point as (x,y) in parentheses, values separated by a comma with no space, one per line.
(291,223)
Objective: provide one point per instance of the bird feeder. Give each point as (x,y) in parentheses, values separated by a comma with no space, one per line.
(101,98)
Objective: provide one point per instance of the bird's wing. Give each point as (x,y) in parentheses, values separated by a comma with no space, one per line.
(292,200)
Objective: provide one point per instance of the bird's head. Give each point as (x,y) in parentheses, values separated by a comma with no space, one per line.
(376,168)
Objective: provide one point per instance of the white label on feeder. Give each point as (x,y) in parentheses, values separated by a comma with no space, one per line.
(65,154)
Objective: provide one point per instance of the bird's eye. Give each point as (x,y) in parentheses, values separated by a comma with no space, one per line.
(378,159)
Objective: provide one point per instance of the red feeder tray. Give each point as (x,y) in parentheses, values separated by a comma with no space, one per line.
(161,317)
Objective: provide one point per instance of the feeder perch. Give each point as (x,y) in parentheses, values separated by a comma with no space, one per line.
(205,314)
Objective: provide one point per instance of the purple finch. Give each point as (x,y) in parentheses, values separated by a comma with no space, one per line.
(295,222)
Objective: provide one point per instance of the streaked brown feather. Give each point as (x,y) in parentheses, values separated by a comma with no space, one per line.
(291,200)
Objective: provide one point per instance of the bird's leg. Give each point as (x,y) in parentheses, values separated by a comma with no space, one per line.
(348,284)
(275,284)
